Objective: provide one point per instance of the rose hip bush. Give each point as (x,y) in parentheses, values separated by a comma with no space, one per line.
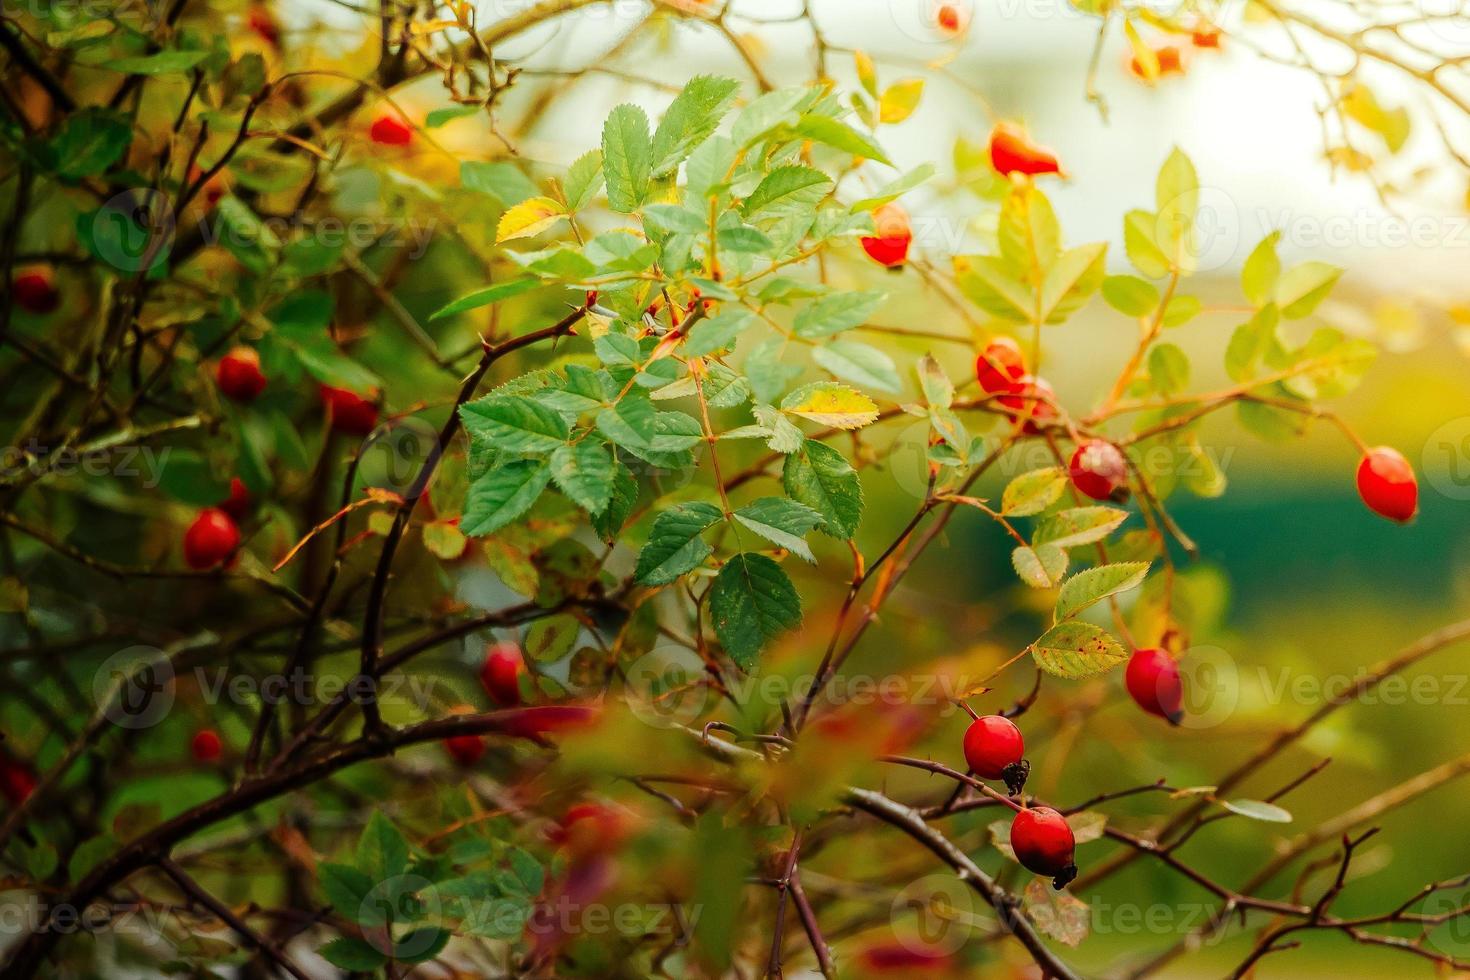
(483,578)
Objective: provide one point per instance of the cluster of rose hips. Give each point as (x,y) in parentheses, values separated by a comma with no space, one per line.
(500,675)
(1001,371)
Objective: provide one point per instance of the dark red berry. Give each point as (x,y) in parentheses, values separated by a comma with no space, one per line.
(349,412)
(1099,470)
(210,540)
(993,750)
(238,375)
(501,674)
(206,745)
(1031,403)
(389,130)
(34,290)
(17,781)
(465,749)
(1387,484)
(1044,843)
(237,504)
(1154,683)
(1000,366)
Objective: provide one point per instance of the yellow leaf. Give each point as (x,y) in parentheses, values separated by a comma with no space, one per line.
(831,404)
(530,217)
(1145,56)
(867,72)
(899,100)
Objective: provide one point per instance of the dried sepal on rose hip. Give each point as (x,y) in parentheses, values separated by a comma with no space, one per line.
(993,750)
(1044,843)
(1099,470)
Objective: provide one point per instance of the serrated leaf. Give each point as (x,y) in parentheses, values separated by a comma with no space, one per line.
(352,954)
(990,284)
(782,522)
(859,363)
(1078,525)
(486,296)
(1071,280)
(1040,566)
(382,851)
(674,545)
(1261,270)
(514,424)
(938,389)
(421,945)
(89,142)
(821,478)
(839,135)
(1057,914)
(1176,195)
(584,472)
(691,119)
(347,891)
(751,603)
(743,238)
(503,494)
(1095,584)
(627,157)
(787,189)
(584,179)
(831,404)
(528,218)
(1033,492)
(719,332)
(765,113)
(835,313)
(894,189)
(1302,287)
(1075,650)
(1258,810)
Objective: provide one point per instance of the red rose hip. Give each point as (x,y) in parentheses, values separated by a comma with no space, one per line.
(349,412)
(210,540)
(237,504)
(34,290)
(1000,366)
(238,375)
(993,750)
(390,130)
(1153,682)
(890,246)
(501,674)
(465,749)
(1044,843)
(1099,470)
(1012,152)
(1387,484)
(206,745)
(17,781)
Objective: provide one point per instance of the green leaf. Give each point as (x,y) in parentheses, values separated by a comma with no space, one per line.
(89,142)
(503,494)
(1301,288)
(1029,236)
(1176,194)
(160,63)
(486,296)
(831,404)
(501,180)
(1261,270)
(1130,295)
(382,852)
(1033,492)
(783,522)
(514,424)
(1095,584)
(674,545)
(691,119)
(1075,650)
(439,117)
(1071,280)
(1144,251)
(583,181)
(744,238)
(1041,566)
(938,389)
(991,285)
(352,954)
(584,472)
(1258,810)
(627,152)
(765,113)
(1181,310)
(786,190)
(719,332)
(620,505)
(347,889)
(421,945)
(860,364)
(670,218)
(839,135)
(631,423)
(1078,525)
(893,190)
(1251,343)
(751,603)
(822,478)
(1334,365)
(835,313)
(1168,369)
